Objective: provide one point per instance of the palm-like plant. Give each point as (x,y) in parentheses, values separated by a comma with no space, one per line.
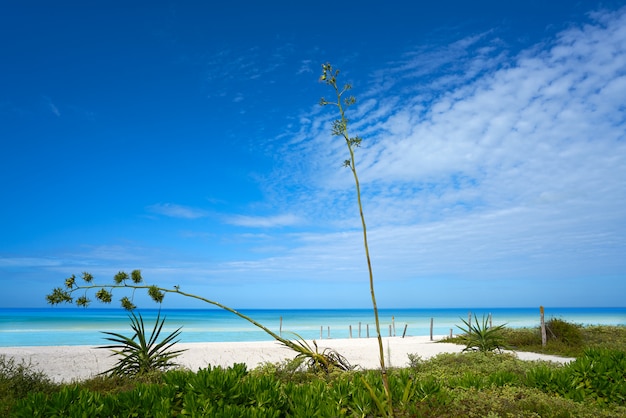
(479,336)
(326,361)
(139,355)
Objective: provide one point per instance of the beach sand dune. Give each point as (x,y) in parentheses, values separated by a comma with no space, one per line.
(68,363)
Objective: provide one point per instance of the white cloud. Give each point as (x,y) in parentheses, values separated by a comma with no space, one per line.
(177,211)
(263,221)
(52,107)
(477,162)
(14,262)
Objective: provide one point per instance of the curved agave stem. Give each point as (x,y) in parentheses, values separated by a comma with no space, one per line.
(60,295)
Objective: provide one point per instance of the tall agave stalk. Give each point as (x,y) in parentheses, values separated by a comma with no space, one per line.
(340,128)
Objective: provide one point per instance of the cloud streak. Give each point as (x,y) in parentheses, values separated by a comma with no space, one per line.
(263,221)
(509,165)
(177,211)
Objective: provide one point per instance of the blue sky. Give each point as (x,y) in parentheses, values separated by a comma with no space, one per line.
(185,139)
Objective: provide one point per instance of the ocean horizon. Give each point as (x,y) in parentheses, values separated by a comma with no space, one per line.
(79,326)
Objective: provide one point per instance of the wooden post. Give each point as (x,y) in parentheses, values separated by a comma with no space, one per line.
(450,332)
(329,332)
(281,327)
(469,321)
(490,320)
(359,329)
(393,324)
(350,331)
(368,330)
(390,330)
(321,332)
(404,332)
(432,320)
(543,328)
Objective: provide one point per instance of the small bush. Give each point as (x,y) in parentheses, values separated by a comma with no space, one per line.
(598,376)
(507,401)
(565,332)
(522,337)
(17,380)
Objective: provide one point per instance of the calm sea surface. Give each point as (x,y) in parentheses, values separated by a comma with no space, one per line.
(77,326)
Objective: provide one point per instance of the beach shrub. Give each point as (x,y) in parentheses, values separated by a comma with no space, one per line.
(599,376)
(18,379)
(565,332)
(479,336)
(592,336)
(510,401)
(518,338)
(140,354)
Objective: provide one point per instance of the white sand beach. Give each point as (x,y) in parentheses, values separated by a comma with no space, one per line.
(68,363)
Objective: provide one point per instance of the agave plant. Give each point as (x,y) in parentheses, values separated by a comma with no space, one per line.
(140,355)
(326,361)
(479,336)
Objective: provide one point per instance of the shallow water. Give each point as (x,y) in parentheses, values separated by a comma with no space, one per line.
(78,326)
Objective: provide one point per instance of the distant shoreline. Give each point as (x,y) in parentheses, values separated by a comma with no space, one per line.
(70,326)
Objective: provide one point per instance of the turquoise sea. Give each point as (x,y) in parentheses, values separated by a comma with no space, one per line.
(77,326)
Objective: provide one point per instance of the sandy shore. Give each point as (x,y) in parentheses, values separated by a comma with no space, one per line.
(67,363)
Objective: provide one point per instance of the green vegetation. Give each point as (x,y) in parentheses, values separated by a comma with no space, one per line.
(564,338)
(139,355)
(327,361)
(479,336)
(17,380)
(473,384)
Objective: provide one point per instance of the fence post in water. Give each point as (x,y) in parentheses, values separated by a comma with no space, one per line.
(368,330)
(281,327)
(450,332)
(404,332)
(490,320)
(329,332)
(390,330)
(350,331)
(393,324)
(321,332)
(432,320)
(469,321)
(543,328)
(359,329)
